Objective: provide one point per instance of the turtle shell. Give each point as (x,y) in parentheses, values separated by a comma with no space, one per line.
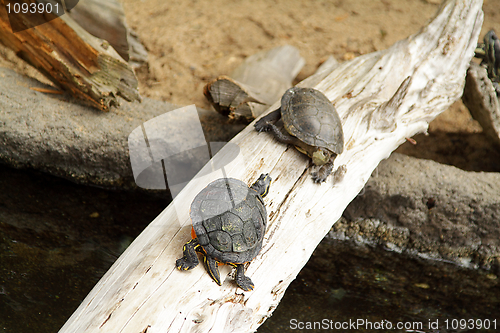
(309,116)
(229,220)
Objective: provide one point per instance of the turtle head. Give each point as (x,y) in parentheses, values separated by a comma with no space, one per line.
(262,184)
(320,156)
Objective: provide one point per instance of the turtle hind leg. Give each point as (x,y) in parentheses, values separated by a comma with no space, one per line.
(212,268)
(189,258)
(243,281)
(262,125)
(324,171)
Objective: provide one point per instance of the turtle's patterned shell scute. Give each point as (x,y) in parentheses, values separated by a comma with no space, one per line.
(309,116)
(229,220)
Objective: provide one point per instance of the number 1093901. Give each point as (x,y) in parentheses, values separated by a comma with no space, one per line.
(34,8)
(470,324)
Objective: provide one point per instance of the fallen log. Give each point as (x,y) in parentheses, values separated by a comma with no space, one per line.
(88,67)
(382,98)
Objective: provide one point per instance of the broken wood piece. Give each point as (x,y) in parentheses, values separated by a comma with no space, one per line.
(47,91)
(138,55)
(106,20)
(86,66)
(391,95)
(482,101)
(256,84)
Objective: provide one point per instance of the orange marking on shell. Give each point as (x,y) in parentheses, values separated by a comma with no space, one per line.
(193,234)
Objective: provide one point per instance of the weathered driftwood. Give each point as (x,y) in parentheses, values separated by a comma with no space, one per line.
(256,84)
(482,101)
(72,58)
(381,97)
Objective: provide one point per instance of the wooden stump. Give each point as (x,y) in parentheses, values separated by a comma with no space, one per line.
(256,84)
(88,67)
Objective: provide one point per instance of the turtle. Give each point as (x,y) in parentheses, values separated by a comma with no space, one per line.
(311,123)
(489,52)
(229,221)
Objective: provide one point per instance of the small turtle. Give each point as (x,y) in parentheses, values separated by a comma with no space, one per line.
(229,221)
(311,124)
(489,52)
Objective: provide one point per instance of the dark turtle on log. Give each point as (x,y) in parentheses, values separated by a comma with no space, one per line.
(229,221)
(311,124)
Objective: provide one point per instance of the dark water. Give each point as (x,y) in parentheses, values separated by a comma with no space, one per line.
(363,292)
(58,238)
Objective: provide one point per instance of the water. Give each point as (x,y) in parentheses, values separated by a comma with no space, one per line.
(58,238)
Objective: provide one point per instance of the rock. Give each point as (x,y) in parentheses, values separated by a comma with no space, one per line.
(49,132)
(432,210)
(420,231)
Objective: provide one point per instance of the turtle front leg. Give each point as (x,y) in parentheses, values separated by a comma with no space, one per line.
(282,136)
(267,124)
(189,258)
(212,268)
(262,125)
(243,281)
(324,171)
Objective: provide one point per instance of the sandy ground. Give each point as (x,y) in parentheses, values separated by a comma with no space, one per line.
(192,42)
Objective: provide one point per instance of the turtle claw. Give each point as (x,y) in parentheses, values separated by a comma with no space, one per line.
(184,265)
(322,174)
(243,281)
(262,126)
(265,124)
(317,178)
(189,258)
